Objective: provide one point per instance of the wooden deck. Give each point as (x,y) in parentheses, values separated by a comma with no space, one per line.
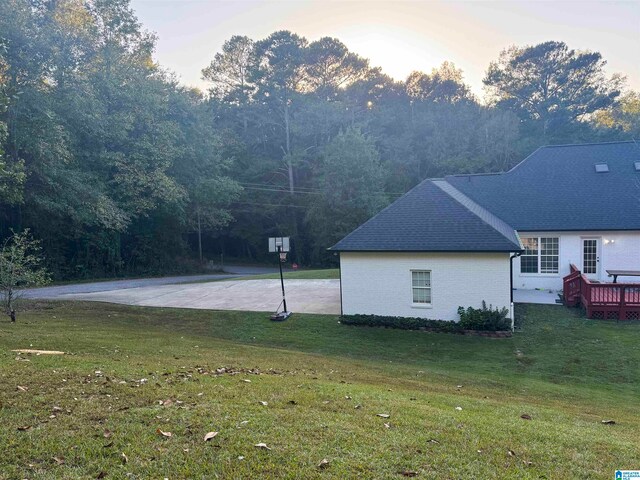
(606,301)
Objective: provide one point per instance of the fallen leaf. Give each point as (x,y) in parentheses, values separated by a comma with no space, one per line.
(608,422)
(56,409)
(22,389)
(409,473)
(525,416)
(164,434)
(433,440)
(107,434)
(124,458)
(101,475)
(383,415)
(209,436)
(324,463)
(387,425)
(59,460)
(246,380)
(24,427)
(264,404)
(262,445)
(357,407)
(511,453)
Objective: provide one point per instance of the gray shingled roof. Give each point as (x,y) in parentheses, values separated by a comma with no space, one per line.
(430,218)
(557,188)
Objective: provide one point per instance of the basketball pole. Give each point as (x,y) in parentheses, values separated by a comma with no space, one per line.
(284,300)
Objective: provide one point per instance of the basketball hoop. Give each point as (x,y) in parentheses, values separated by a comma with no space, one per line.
(280,245)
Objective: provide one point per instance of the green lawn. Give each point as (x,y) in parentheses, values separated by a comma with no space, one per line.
(85,409)
(320,274)
(327,273)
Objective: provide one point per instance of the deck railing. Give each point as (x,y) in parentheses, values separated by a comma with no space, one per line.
(607,301)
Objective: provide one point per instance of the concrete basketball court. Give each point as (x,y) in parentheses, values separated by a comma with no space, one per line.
(303,296)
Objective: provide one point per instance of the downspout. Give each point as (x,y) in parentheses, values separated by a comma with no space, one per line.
(515,255)
(340,273)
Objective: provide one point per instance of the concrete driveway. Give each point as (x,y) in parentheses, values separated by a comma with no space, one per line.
(303,296)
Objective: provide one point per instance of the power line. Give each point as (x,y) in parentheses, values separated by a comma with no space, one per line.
(308,190)
(280,190)
(273,205)
(283,187)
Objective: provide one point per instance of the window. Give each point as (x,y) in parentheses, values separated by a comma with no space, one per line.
(540,255)
(590,256)
(529,258)
(421,286)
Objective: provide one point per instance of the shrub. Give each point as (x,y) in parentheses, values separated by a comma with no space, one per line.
(484,318)
(403,323)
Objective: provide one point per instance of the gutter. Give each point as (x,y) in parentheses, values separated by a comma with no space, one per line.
(515,255)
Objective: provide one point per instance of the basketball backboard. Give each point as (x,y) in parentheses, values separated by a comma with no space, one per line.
(275,242)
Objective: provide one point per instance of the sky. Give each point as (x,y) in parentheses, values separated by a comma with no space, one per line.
(399,36)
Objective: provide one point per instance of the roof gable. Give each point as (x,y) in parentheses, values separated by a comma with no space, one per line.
(429,219)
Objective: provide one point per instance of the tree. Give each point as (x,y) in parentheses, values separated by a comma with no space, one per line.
(330,66)
(351,179)
(230,69)
(623,117)
(229,72)
(280,75)
(20,267)
(551,84)
(444,84)
(12,175)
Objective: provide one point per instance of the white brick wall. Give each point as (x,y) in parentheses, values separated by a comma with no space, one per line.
(380,283)
(618,251)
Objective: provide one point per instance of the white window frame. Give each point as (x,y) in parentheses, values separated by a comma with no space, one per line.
(430,288)
(539,273)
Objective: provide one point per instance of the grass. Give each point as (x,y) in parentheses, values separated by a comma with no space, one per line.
(319,274)
(322,274)
(87,408)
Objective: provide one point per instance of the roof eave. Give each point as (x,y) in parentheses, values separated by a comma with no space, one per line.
(361,250)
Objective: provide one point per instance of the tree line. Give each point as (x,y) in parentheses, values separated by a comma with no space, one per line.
(118,169)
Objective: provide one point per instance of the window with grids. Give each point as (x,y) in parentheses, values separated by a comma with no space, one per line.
(529,258)
(540,255)
(421,286)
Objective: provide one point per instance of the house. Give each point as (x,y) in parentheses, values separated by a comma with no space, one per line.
(463,239)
